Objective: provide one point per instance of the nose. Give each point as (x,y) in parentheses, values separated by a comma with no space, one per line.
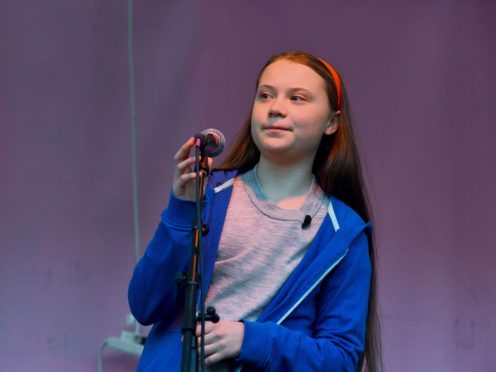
(277,108)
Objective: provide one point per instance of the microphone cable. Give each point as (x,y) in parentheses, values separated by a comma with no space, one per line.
(132,108)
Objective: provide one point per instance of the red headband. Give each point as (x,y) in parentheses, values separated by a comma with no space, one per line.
(337,80)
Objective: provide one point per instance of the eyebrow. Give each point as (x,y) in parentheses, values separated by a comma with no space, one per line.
(291,89)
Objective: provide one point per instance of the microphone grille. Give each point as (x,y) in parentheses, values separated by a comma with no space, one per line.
(219,142)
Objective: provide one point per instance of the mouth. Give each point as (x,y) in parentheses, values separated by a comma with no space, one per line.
(274,128)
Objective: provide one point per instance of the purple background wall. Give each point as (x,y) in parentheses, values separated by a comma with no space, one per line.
(421,81)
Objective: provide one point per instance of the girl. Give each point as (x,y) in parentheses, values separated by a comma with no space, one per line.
(289,258)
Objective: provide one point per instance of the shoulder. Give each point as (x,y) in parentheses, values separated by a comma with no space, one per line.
(344,218)
(220,179)
(345,212)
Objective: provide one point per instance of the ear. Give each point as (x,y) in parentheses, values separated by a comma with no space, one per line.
(332,124)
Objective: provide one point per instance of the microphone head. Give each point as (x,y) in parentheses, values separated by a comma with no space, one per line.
(215,142)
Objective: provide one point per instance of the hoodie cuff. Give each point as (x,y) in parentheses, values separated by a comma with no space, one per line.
(255,348)
(179,212)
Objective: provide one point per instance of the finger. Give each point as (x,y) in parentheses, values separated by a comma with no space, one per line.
(209,350)
(209,327)
(185,178)
(183,152)
(213,358)
(185,164)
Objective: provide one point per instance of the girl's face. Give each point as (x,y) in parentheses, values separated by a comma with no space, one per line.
(291,112)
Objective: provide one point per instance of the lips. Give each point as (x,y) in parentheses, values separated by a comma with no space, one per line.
(275,128)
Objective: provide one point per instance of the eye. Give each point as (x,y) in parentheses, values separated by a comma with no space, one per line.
(298,98)
(264,96)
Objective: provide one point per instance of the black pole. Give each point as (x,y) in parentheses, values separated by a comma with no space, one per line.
(193,280)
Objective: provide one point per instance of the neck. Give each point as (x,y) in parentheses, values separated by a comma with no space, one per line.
(282,181)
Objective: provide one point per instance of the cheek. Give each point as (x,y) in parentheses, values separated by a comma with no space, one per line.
(254,125)
(255,113)
(257,119)
(255,133)
(311,122)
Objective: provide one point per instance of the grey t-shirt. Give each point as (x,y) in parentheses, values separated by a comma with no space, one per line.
(260,246)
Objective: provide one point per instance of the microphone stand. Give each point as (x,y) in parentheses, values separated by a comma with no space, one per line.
(194,280)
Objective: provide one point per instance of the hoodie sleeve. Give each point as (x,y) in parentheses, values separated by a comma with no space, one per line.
(339,331)
(152,293)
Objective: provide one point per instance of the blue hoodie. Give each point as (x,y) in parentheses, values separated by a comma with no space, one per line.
(315,322)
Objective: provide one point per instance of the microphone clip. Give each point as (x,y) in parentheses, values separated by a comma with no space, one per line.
(306,222)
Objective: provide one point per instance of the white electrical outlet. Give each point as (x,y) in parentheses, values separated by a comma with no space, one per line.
(129,342)
(130,319)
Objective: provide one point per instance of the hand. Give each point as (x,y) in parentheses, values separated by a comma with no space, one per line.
(223,340)
(184,176)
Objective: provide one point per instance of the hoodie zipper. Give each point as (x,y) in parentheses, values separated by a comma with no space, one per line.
(312,288)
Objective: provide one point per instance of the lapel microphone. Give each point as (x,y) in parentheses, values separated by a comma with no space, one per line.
(306,222)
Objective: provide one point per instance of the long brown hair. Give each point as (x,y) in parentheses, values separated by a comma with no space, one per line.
(338,171)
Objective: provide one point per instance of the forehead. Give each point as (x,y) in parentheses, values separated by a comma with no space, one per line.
(287,74)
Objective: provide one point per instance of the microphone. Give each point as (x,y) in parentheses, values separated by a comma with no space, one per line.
(306,222)
(212,142)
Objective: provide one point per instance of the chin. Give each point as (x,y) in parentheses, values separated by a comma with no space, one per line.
(276,148)
(273,146)
(276,153)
